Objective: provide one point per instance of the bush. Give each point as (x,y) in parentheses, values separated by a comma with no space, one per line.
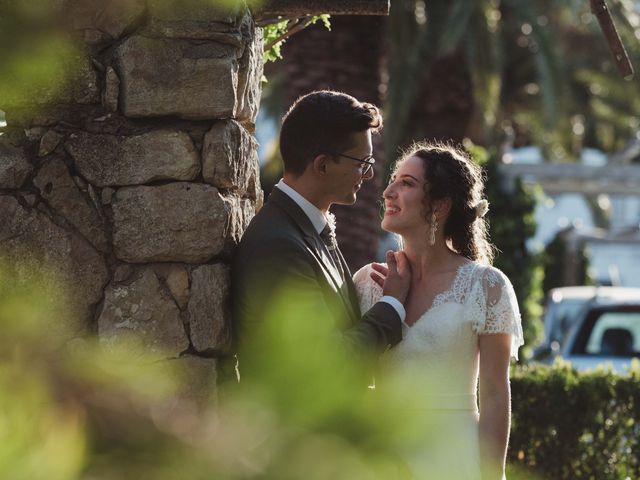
(86,412)
(569,425)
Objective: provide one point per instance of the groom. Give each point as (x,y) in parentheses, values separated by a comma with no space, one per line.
(288,258)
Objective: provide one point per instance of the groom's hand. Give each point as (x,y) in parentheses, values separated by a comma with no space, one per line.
(395,278)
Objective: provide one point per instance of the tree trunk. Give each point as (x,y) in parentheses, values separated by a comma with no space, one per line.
(347,59)
(444,106)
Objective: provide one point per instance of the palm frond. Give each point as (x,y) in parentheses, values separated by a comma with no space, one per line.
(414,46)
(483,55)
(547,62)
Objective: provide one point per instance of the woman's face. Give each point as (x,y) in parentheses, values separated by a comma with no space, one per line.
(404,198)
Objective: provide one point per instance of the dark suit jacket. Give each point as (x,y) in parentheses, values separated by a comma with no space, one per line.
(281,249)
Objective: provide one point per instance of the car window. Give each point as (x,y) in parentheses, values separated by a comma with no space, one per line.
(615,334)
(559,317)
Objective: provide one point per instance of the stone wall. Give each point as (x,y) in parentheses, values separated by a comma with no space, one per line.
(133,184)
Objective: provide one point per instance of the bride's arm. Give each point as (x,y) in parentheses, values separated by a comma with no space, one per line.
(368,291)
(495,403)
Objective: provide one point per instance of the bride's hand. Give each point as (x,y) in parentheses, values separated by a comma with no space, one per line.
(380,273)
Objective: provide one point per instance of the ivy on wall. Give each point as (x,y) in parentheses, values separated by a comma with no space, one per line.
(276,34)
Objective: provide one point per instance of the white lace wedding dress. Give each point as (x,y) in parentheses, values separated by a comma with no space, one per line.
(435,367)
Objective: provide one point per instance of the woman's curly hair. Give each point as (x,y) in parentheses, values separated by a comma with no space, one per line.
(451,173)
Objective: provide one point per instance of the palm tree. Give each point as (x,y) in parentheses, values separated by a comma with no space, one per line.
(446,67)
(529,64)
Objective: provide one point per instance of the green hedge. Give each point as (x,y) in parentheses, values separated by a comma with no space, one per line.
(567,425)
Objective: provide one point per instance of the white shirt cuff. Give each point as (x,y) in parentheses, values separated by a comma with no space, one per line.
(396,304)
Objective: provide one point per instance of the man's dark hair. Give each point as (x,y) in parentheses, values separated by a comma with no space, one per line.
(322,122)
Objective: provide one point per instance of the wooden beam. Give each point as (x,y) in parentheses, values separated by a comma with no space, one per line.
(601,11)
(302,8)
(575,177)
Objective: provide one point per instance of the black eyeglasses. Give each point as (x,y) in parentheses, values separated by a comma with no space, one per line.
(367,161)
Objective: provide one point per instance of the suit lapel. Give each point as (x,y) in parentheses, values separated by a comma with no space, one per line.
(341,285)
(319,250)
(353,302)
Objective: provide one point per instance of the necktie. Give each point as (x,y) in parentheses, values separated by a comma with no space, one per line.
(329,239)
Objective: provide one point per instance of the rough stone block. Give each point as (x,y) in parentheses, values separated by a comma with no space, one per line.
(209,308)
(103,19)
(244,210)
(188,79)
(79,85)
(107,195)
(111,90)
(195,19)
(250,72)
(14,166)
(193,11)
(228,155)
(112,160)
(29,238)
(84,87)
(177,279)
(198,378)
(179,222)
(254,190)
(60,191)
(141,312)
(49,142)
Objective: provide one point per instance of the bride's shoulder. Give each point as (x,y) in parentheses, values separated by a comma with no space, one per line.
(363,274)
(491,275)
(367,289)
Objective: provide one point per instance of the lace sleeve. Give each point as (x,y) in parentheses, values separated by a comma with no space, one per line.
(501,313)
(369,292)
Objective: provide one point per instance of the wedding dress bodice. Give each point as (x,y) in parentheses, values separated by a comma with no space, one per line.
(440,350)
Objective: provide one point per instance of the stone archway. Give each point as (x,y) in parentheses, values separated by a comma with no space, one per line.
(134,183)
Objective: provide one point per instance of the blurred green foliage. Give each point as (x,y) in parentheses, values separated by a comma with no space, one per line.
(36,56)
(69,409)
(77,410)
(569,425)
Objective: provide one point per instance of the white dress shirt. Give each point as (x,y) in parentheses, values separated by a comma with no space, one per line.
(319,221)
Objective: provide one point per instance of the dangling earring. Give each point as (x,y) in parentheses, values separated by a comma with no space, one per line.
(433,230)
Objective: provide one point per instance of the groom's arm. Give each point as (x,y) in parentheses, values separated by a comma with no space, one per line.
(384,321)
(280,281)
(395,287)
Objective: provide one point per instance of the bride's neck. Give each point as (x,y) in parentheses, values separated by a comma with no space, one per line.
(424,258)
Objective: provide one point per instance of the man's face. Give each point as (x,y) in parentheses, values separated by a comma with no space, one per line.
(345,176)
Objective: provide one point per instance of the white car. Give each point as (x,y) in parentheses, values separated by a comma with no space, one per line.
(604,335)
(562,309)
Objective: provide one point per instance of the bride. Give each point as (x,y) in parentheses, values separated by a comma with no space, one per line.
(462,323)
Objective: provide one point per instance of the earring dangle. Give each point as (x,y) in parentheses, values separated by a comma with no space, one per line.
(433,229)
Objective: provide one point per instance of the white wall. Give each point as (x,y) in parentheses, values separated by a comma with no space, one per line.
(615,261)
